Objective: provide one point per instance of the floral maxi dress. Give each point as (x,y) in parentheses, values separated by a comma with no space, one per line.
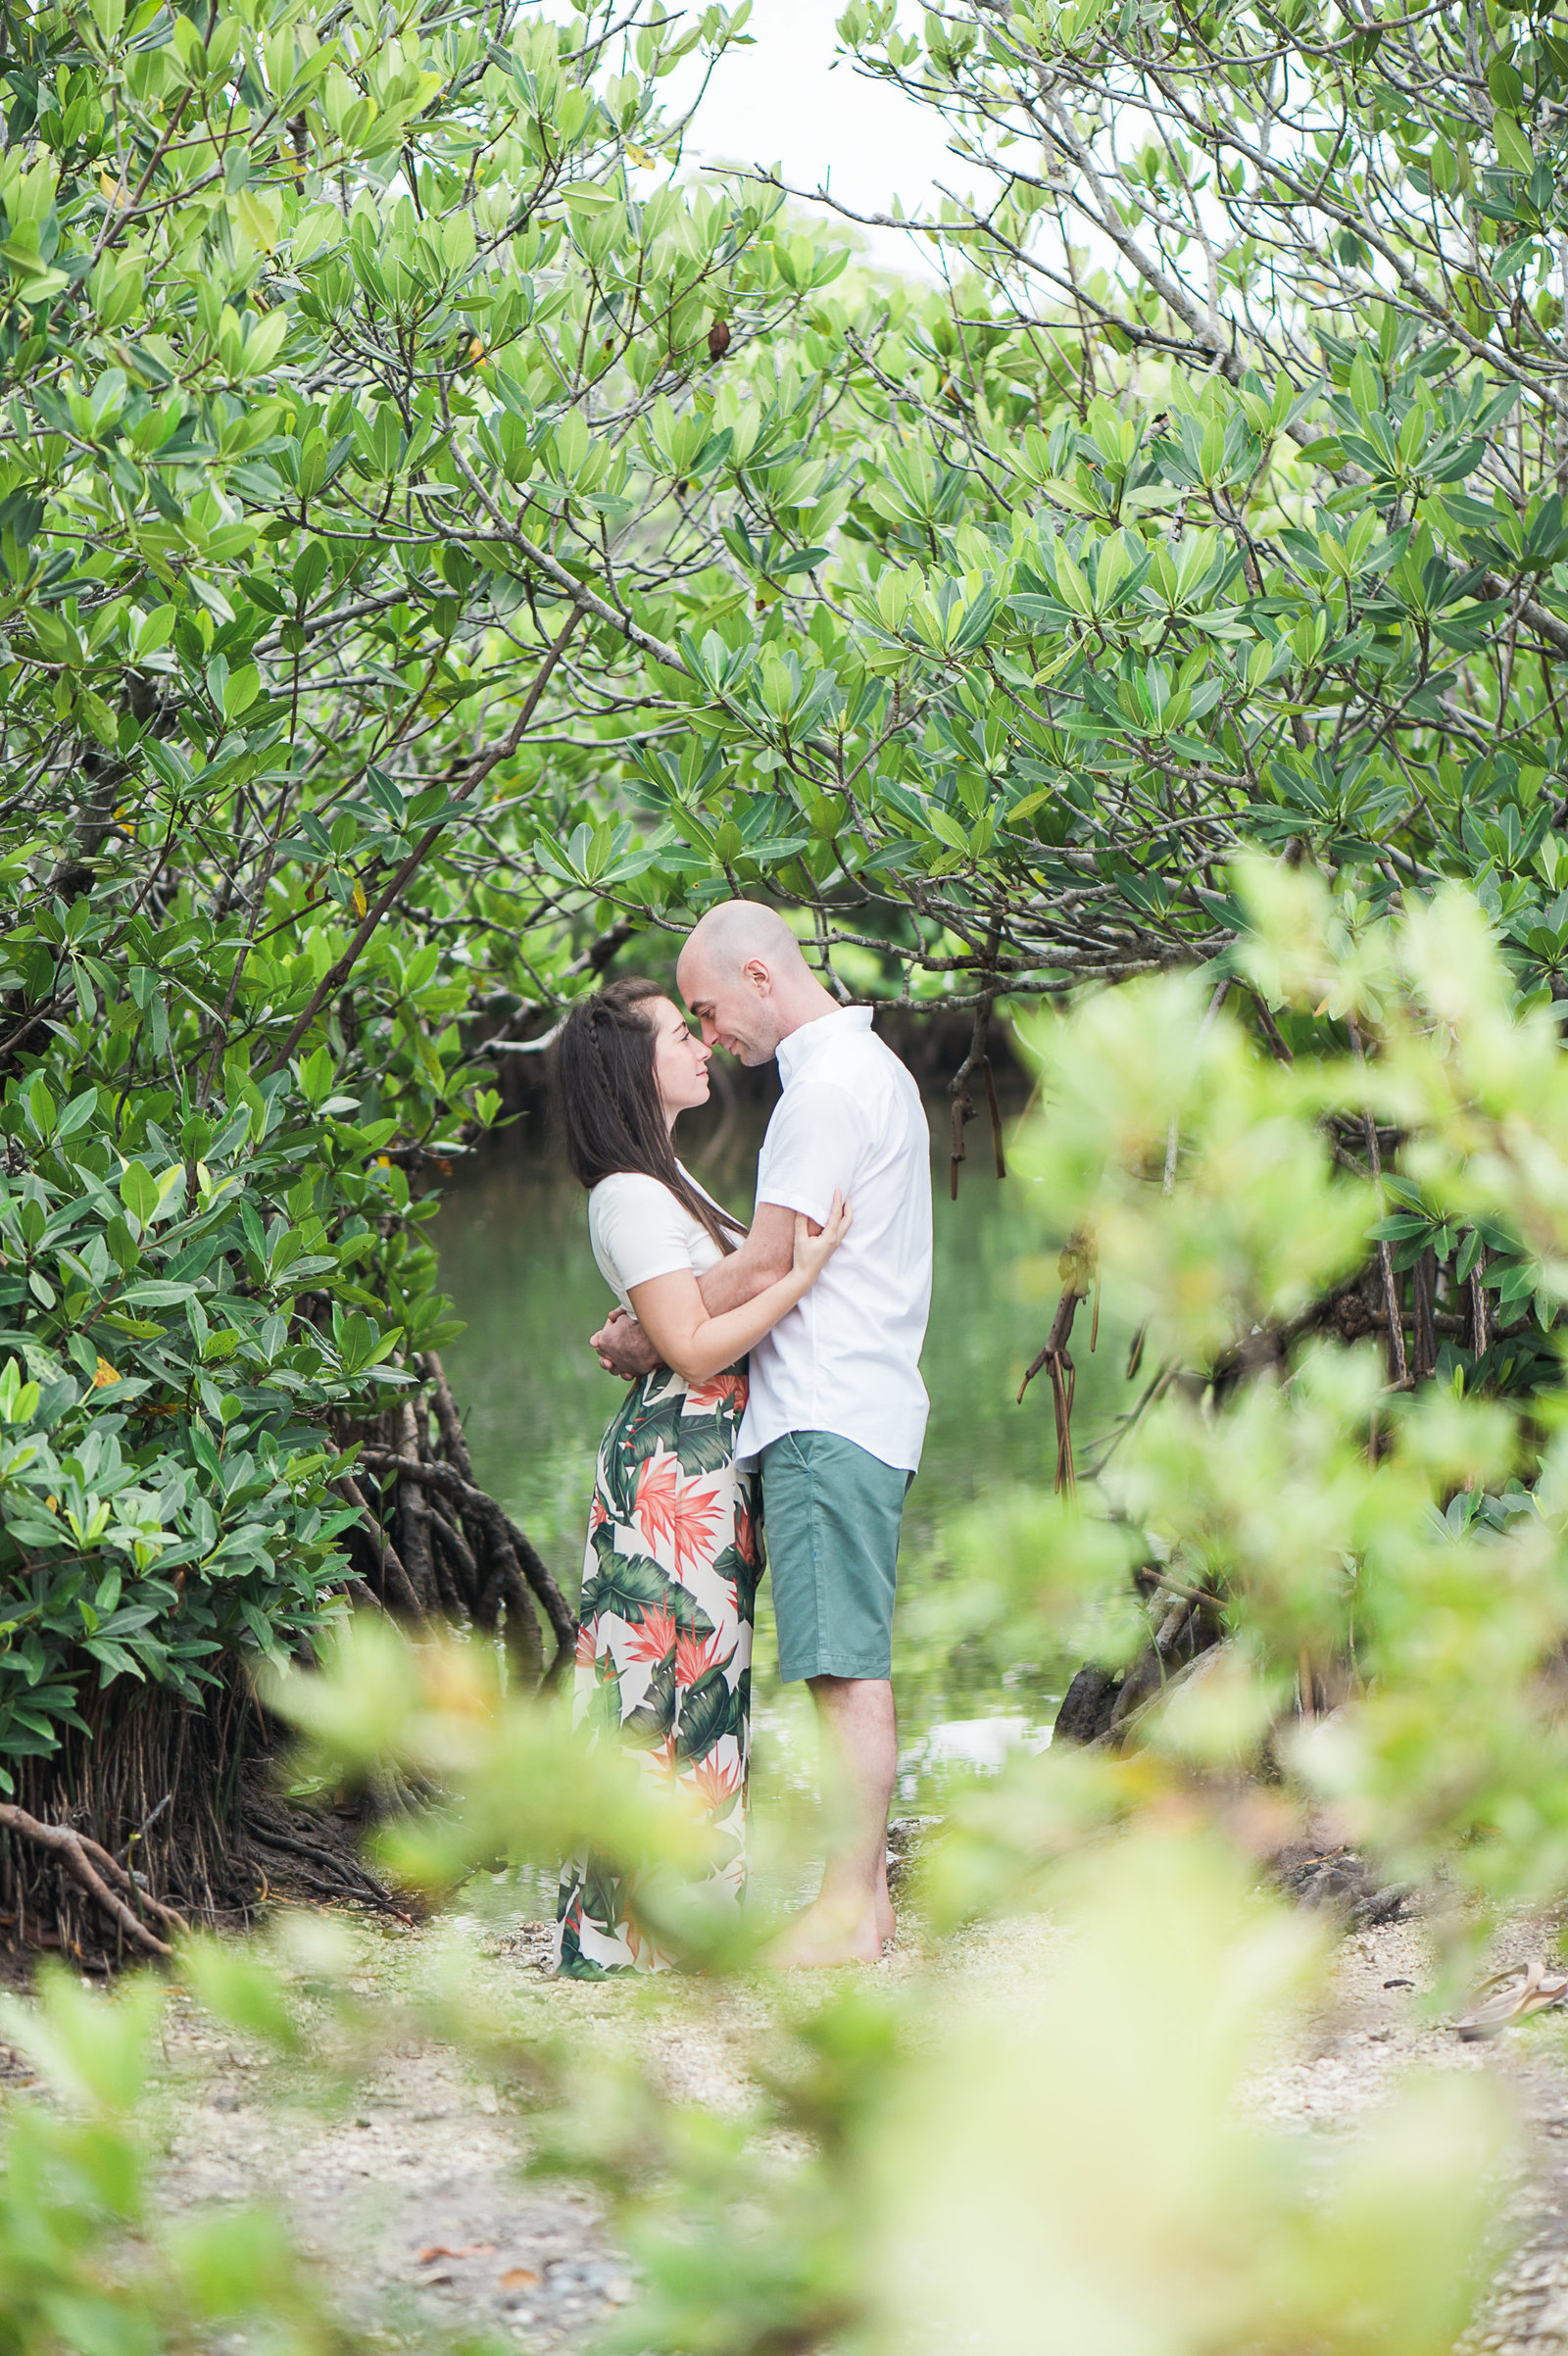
(664,1647)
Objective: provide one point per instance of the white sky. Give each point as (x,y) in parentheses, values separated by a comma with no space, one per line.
(792,100)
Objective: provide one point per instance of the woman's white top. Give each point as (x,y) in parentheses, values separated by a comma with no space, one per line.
(639,1231)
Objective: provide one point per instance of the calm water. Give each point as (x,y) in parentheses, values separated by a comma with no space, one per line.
(513,1245)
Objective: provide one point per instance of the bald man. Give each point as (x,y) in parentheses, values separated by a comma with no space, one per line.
(836,1409)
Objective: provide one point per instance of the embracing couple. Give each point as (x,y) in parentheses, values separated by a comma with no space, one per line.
(774,1375)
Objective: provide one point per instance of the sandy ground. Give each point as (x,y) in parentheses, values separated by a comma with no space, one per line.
(408,2193)
(1378,2029)
(414,2201)
(409,2190)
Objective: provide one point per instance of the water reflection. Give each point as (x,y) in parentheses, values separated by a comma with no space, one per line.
(514,1244)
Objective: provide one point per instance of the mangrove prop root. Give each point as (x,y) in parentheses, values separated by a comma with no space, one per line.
(1077,1269)
(1149,1672)
(1101,1705)
(513,1573)
(397,1590)
(505,1585)
(994,1111)
(157,1815)
(154,1781)
(347,1877)
(1400,1377)
(414,1519)
(963,1110)
(456,1544)
(430,1541)
(977,1059)
(96,1872)
(562,1619)
(447,1416)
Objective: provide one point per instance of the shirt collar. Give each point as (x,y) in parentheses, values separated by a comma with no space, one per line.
(797,1051)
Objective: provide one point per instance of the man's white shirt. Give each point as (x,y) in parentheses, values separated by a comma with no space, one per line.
(847,1357)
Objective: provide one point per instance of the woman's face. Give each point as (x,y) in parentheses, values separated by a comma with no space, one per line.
(680,1060)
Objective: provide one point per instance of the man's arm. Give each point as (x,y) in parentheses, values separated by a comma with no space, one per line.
(765,1255)
(810,1153)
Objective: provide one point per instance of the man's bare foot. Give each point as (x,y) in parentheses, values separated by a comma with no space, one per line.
(887,1922)
(826,1934)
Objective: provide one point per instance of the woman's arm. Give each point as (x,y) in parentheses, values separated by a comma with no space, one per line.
(670,1310)
(764,1256)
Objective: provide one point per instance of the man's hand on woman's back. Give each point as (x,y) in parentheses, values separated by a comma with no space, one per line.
(623,1347)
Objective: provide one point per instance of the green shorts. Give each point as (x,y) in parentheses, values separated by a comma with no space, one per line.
(832,1513)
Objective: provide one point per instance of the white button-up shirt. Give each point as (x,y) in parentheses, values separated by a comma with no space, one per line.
(847,1357)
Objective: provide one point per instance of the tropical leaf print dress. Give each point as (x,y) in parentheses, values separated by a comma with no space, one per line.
(669,1596)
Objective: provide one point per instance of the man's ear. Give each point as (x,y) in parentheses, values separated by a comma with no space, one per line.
(758,975)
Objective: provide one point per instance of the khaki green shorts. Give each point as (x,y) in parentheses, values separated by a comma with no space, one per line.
(832,1512)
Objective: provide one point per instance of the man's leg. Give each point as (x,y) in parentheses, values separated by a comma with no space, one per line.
(853,1916)
(860,1731)
(833,1513)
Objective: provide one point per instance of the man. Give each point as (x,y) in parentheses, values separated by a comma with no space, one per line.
(837,1410)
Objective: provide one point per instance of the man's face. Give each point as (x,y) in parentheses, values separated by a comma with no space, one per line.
(736,1010)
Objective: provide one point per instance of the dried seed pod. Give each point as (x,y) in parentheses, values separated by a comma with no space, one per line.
(718,339)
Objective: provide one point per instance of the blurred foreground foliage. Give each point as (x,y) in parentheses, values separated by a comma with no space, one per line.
(1062,2148)
(914,2160)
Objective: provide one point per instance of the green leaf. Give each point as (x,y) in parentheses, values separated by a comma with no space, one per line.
(1513,148)
(240,690)
(946,828)
(138,1191)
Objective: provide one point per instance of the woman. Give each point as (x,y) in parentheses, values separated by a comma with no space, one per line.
(669,1580)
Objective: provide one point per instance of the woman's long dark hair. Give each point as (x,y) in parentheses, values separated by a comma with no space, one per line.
(608,1097)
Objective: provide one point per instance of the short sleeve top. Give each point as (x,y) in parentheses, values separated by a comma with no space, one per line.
(639,1231)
